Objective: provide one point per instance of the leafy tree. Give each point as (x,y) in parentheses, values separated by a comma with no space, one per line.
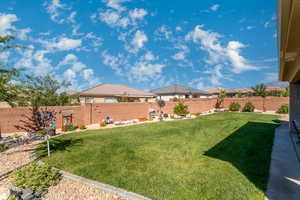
(222,95)
(261,90)
(9,92)
(44,91)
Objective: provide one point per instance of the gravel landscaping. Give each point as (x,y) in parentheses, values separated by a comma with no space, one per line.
(15,157)
(68,189)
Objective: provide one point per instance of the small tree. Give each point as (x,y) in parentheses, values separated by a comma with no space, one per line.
(240,94)
(180,109)
(261,90)
(222,95)
(286,92)
(160,103)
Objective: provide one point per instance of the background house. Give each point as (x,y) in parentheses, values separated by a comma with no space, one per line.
(114,93)
(179,91)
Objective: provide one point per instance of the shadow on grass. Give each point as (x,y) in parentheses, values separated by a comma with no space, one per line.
(56,144)
(249,150)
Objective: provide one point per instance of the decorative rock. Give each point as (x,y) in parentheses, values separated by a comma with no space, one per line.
(4,193)
(27,196)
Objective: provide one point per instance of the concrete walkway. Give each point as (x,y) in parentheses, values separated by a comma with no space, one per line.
(284,178)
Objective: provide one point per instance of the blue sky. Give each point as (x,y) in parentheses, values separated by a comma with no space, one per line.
(145,44)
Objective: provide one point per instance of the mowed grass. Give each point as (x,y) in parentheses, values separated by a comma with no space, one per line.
(222,156)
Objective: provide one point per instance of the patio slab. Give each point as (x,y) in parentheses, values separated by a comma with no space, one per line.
(284,178)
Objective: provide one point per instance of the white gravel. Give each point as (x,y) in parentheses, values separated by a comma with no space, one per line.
(15,157)
(67,189)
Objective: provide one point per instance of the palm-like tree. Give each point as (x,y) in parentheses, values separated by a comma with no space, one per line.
(261,90)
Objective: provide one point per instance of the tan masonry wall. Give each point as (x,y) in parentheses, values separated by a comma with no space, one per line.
(87,114)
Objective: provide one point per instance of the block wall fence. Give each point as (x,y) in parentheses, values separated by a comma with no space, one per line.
(11,119)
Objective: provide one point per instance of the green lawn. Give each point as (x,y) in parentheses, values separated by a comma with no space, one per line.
(222,156)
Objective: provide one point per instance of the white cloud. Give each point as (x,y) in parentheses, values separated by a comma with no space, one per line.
(116,4)
(77,68)
(62,44)
(138,41)
(179,56)
(6,21)
(35,63)
(137,13)
(214,7)
(149,56)
(22,33)
(115,62)
(163,32)
(145,71)
(53,8)
(116,19)
(229,55)
(178,28)
(250,27)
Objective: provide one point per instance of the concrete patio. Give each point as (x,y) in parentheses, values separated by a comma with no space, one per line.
(284,179)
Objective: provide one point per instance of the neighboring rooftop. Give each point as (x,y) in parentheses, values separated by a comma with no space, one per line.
(178,89)
(115,90)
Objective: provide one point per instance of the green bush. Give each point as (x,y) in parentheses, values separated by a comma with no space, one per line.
(42,131)
(249,107)
(70,127)
(284,109)
(2,147)
(180,109)
(35,176)
(82,127)
(234,106)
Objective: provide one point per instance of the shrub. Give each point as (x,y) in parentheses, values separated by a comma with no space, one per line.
(284,109)
(2,147)
(70,127)
(249,107)
(35,177)
(234,106)
(42,131)
(82,127)
(180,109)
(102,124)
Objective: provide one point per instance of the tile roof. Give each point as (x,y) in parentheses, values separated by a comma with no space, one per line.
(115,90)
(178,89)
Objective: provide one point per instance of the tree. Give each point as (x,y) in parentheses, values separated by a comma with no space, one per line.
(160,103)
(261,90)
(44,91)
(9,92)
(222,95)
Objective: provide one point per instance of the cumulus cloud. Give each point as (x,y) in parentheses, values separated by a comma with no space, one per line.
(53,7)
(6,21)
(137,13)
(34,62)
(76,68)
(163,32)
(145,71)
(116,4)
(214,7)
(62,44)
(115,62)
(115,18)
(209,42)
(139,39)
